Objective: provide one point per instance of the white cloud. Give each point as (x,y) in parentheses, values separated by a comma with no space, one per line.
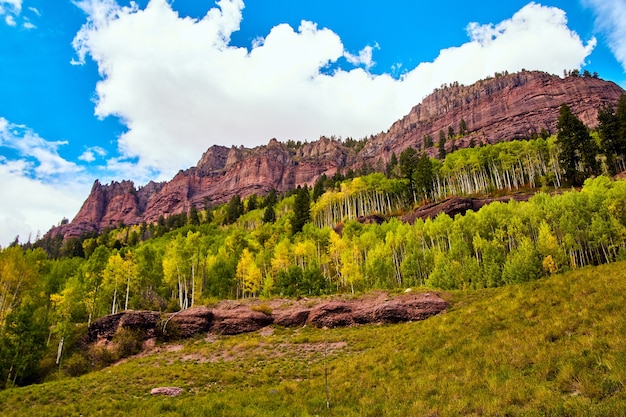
(363,58)
(28,24)
(38,187)
(611,21)
(90,154)
(179,86)
(14,5)
(31,205)
(12,9)
(42,153)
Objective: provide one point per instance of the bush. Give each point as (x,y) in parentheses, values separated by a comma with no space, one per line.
(127,342)
(76,365)
(262,308)
(167,330)
(100,357)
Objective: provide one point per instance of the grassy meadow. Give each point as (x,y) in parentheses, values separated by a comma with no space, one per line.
(552,347)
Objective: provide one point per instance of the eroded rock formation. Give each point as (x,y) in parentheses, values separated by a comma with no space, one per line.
(502,108)
(232,317)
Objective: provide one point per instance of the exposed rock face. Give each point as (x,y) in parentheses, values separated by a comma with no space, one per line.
(230,317)
(457,205)
(502,108)
(497,109)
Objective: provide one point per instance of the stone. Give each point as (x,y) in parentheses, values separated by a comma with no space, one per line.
(167,391)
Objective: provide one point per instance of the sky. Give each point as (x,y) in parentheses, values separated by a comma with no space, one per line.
(114,90)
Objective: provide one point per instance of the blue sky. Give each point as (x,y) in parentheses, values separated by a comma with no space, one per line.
(99,89)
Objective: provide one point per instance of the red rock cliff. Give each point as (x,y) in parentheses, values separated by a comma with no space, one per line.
(501,108)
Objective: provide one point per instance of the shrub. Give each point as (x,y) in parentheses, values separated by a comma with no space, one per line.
(76,365)
(127,342)
(262,308)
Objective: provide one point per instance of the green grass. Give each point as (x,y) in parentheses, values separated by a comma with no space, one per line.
(555,347)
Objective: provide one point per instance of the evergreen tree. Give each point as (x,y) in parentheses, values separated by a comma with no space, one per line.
(424,175)
(234,209)
(577,149)
(391,165)
(252,203)
(442,145)
(193,216)
(428,141)
(270,199)
(301,209)
(269,215)
(408,164)
(608,131)
(318,188)
(462,127)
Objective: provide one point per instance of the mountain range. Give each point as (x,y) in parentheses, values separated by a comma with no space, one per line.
(500,108)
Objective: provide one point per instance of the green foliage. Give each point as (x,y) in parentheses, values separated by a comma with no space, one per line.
(462,127)
(612,135)
(127,342)
(301,209)
(549,347)
(289,248)
(577,149)
(234,209)
(442,145)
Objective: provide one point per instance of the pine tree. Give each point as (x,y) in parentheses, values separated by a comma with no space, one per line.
(252,203)
(424,175)
(301,209)
(462,127)
(234,209)
(391,165)
(193,216)
(318,188)
(442,145)
(428,141)
(578,151)
(408,164)
(269,215)
(608,131)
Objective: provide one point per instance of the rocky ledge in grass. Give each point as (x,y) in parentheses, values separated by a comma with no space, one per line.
(248,315)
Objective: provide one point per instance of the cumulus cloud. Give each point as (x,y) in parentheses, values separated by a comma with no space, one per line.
(11,5)
(180,86)
(37,185)
(12,9)
(363,58)
(611,21)
(90,154)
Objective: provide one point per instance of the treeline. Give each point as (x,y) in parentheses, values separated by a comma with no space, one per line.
(566,159)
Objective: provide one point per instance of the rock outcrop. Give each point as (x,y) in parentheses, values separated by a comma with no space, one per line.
(507,107)
(502,108)
(457,205)
(232,317)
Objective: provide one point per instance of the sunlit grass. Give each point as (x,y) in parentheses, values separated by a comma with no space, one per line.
(551,347)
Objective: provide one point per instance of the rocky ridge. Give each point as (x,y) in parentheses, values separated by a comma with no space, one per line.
(505,107)
(234,317)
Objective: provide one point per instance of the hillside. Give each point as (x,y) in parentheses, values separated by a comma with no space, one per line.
(503,108)
(555,346)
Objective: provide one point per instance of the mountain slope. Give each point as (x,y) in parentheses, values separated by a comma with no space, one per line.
(502,108)
(550,347)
